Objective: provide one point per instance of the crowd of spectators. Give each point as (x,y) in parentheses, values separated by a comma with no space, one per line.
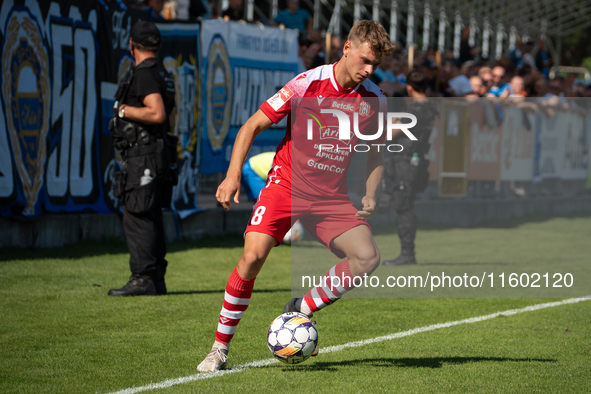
(523,71)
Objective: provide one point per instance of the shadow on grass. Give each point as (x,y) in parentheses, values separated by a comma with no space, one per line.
(214,291)
(463,264)
(110,246)
(489,223)
(424,362)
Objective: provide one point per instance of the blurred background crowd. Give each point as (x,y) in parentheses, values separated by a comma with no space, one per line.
(523,71)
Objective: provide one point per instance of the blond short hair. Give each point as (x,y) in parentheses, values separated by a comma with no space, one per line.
(375,35)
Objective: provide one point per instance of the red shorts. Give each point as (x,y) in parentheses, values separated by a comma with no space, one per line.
(325,219)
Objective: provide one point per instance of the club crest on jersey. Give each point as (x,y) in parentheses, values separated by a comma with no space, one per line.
(280,98)
(219,93)
(364,108)
(27,98)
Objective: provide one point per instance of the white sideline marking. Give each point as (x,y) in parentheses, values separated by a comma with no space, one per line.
(263,363)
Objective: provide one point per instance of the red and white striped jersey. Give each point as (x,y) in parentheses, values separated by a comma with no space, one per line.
(314,171)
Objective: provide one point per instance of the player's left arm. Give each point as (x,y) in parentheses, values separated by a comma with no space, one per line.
(374,171)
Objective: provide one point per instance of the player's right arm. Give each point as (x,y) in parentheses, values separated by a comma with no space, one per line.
(230,187)
(271,111)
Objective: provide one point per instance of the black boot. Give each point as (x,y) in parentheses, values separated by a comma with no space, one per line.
(137,285)
(158,279)
(405,258)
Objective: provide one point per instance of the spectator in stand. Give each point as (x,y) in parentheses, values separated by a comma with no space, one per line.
(499,88)
(528,58)
(466,51)
(556,86)
(384,78)
(157,6)
(304,60)
(478,86)
(201,8)
(315,35)
(547,100)
(383,72)
(460,86)
(429,69)
(293,17)
(448,71)
(486,75)
(336,49)
(234,12)
(543,90)
(310,57)
(468,68)
(529,79)
(400,67)
(431,54)
(310,54)
(397,68)
(569,81)
(390,79)
(508,65)
(516,53)
(320,58)
(543,61)
(517,87)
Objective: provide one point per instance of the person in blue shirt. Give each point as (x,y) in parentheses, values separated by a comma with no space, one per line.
(543,60)
(293,17)
(499,88)
(157,6)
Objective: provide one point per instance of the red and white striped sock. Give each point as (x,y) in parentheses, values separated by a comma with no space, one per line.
(330,290)
(236,300)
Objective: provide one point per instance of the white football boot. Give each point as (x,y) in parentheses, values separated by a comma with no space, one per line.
(216,359)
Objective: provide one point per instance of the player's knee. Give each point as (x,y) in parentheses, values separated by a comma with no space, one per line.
(252,258)
(373,261)
(368,259)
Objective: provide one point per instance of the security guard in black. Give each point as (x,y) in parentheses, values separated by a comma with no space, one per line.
(407,170)
(144,119)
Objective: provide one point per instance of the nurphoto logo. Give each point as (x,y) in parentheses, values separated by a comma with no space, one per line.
(345,131)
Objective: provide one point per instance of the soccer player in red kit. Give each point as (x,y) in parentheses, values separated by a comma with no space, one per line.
(308,183)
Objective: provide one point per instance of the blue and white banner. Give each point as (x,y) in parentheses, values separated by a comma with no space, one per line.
(49,149)
(61,65)
(243,65)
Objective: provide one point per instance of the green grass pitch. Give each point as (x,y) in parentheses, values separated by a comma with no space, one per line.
(60,333)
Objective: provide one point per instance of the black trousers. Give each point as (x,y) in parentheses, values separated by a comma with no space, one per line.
(144,234)
(403,201)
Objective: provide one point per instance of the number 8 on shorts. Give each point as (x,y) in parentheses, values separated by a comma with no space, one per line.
(257,218)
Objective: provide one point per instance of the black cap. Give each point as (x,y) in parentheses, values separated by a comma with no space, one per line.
(145,33)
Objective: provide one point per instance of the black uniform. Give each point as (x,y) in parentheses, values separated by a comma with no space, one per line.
(405,179)
(152,149)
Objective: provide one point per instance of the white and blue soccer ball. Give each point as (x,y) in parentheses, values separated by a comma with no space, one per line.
(295,233)
(292,337)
